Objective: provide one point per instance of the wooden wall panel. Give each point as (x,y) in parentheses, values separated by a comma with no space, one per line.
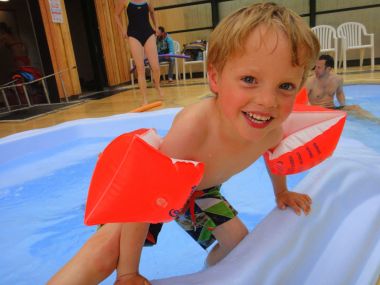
(115,47)
(323,5)
(61,50)
(182,18)
(226,8)
(163,3)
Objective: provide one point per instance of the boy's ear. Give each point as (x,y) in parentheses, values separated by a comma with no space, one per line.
(213,78)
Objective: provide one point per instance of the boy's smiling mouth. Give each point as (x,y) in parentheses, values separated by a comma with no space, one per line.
(257,120)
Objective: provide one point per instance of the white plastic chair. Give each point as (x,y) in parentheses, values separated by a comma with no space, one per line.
(177,50)
(328,40)
(190,63)
(351,34)
(132,65)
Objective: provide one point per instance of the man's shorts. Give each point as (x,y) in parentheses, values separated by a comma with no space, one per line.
(204,211)
(337,107)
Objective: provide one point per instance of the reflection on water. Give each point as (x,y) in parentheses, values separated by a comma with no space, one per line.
(368,97)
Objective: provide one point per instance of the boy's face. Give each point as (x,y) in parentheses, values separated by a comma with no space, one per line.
(257,88)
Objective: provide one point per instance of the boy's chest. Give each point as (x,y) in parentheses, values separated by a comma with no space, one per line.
(221,163)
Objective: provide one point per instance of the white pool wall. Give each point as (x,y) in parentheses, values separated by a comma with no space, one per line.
(21,144)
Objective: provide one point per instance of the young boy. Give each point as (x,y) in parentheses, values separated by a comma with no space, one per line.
(258,59)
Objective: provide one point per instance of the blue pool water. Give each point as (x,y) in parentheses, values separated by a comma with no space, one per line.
(43,193)
(368,97)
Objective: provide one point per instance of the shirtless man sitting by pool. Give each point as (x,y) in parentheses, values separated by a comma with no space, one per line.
(325,84)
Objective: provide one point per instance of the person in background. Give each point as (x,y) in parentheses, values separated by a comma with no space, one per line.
(15,45)
(325,84)
(141,38)
(165,45)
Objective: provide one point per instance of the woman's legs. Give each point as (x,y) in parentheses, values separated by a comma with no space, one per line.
(152,55)
(137,51)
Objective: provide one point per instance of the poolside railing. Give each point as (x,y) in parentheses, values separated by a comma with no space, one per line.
(17,88)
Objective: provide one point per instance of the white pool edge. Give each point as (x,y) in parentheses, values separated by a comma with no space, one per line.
(17,145)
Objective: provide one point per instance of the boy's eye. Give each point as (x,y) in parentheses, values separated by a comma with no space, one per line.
(287,86)
(249,79)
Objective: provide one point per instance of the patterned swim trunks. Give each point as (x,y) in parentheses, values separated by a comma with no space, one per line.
(205,210)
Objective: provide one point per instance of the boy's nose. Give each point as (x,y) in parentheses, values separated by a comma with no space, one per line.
(266,98)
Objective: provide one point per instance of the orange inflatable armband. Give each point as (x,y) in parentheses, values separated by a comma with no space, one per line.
(311,134)
(301,97)
(134,182)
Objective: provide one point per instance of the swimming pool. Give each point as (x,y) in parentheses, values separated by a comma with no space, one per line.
(44,177)
(368,97)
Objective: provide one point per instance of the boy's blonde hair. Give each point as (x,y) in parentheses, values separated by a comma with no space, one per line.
(229,37)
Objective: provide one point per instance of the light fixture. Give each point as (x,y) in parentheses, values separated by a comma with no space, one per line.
(4,0)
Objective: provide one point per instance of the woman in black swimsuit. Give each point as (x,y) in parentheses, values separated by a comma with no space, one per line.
(141,38)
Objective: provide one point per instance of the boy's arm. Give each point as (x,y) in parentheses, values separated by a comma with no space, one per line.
(185,135)
(285,198)
(99,257)
(132,238)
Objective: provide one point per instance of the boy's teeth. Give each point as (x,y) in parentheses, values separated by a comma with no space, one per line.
(258,117)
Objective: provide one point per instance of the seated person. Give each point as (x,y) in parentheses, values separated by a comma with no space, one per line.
(325,84)
(165,45)
(15,45)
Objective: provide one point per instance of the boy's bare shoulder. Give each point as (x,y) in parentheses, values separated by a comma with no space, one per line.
(188,131)
(196,112)
(193,119)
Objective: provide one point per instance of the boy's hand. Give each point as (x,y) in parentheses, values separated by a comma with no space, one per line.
(297,201)
(132,279)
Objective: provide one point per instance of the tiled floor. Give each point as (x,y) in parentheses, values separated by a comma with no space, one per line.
(175,96)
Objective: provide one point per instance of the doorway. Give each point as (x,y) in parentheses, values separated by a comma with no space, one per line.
(86,43)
